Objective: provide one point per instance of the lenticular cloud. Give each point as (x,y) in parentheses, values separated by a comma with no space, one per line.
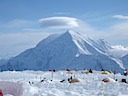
(59,22)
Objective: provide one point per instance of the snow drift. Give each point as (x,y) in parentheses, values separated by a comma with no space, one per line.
(15,89)
(70,50)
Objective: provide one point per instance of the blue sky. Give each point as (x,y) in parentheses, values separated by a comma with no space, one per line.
(19,18)
(83,9)
(97,13)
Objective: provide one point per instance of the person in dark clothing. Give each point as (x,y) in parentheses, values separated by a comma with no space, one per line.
(54,70)
(90,71)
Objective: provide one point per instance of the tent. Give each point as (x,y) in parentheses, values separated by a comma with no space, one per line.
(105,72)
(108,79)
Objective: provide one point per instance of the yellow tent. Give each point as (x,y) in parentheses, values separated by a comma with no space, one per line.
(105,72)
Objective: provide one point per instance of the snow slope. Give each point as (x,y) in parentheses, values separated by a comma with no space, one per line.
(70,50)
(125,61)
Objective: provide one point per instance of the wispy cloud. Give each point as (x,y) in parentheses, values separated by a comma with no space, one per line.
(62,13)
(120,17)
(59,22)
(17,25)
(119,31)
(119,51)
(115,34)
(11,44)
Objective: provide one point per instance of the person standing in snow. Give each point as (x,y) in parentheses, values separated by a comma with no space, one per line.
(1,94)
(90,71)
(125,72)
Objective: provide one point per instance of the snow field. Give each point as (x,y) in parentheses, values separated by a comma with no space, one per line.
(89,85)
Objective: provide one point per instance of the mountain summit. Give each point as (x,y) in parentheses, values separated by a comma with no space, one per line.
(70,50)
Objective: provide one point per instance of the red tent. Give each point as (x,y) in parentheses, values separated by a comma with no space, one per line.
(1,94)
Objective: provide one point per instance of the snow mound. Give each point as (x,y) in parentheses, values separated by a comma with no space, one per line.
(11,88)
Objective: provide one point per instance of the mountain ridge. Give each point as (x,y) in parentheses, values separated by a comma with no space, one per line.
(70,50)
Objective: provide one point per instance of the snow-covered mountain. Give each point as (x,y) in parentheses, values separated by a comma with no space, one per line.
(125,61)
(3,61)
(70,50)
